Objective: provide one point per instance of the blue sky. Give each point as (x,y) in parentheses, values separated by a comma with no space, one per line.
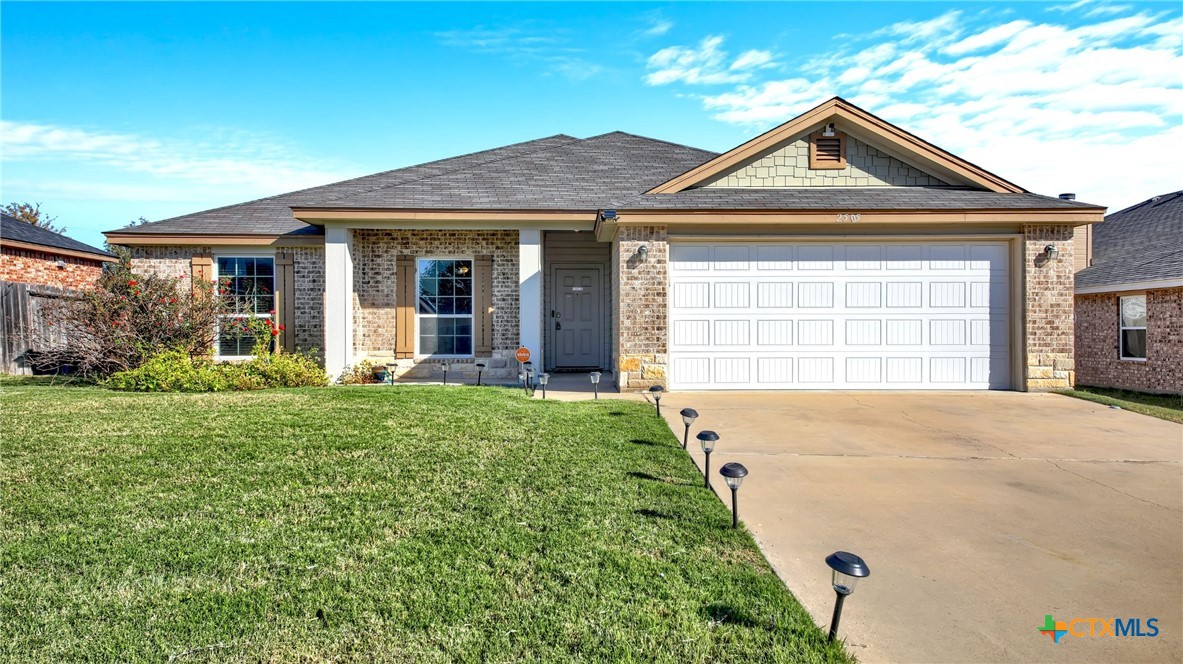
(115,111)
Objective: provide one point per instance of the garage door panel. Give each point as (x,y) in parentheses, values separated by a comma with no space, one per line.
(853,315)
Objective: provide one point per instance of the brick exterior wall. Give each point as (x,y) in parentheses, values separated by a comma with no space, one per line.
(34,267)
(1098,355)
(789,167)
(639,293)
(308,326)
(375,293)
(1048,308)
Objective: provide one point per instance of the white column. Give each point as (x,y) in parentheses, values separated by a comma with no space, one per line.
(530,293)
(338,303)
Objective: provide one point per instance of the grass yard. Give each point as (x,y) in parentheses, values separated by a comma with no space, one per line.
(379,523)
(1163,406)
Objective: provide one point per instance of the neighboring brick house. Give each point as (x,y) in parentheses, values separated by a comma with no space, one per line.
(1129,302)
(33,255)
(836,251)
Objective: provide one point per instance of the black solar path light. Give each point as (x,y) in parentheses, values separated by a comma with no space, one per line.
(848,569)
(446,372)
(480,369)
(528,371)
(688,417)
(390,370)
(543,379)
(734,473)
(656,391)
(707,439)
(595,379)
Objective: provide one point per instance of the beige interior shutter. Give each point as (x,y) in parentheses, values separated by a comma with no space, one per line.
(285,298)
(404,316)
(201,267)
(482,306)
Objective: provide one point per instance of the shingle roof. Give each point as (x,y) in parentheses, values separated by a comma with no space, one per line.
(1140,243)
(14,229)
(273,215)
(561,173)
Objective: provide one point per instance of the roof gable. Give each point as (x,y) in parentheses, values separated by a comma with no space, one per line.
(865,166)
(882,136)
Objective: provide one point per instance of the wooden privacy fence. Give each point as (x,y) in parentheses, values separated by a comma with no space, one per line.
(24,325)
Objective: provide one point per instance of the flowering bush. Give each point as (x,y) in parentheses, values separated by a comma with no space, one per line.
(361,373)
(127,318)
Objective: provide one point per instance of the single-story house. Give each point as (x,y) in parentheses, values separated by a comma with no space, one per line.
(836,251)
(1129,301)
(34,255)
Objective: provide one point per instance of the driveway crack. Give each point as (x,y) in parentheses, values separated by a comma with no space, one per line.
(954,435)
(1127,495)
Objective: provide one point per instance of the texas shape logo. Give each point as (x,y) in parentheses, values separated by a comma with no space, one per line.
(1053,628)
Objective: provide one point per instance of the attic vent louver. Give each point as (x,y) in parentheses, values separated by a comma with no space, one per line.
(827,150)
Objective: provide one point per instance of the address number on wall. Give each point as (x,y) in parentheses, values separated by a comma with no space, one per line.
(848,218)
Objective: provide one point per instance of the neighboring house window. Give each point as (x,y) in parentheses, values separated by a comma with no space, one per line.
(445,306)
(248,283)
(1133,327)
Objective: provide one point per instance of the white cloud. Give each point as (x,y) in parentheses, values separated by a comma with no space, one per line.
(659,27)
(553,50)
(222,159)
(1048,105)
(704,65)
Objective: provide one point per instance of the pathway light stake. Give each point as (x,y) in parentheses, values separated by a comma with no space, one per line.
(734,473)
(529,371)
(688,417)
(848,569)
(707,439)
(446,372)
(543,379)
(595,379)
(390,370)
(480,368)
(656,391)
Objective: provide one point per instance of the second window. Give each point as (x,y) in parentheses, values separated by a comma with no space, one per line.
(445,306)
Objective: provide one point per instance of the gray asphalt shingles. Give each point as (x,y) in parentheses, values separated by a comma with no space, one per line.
(1143,242)
(562,173)
(12,228)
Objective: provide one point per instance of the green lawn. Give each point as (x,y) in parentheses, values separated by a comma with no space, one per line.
(370,523)
(1162,406)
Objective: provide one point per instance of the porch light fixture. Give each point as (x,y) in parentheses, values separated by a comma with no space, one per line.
(656,391)
(643,252)
(847,570)
(480,369)
(707,439)
(688,417)
(734,473)
(595,379)
(543,379)
(1051,252)
(61,263)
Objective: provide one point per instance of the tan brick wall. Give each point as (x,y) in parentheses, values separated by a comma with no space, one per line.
(308,326)
(1048,308)
(1098,354)
(640,292)
(789,167)
(375,290)
(309,271)
(34,267)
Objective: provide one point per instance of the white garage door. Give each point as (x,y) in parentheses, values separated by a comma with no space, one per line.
(842,315)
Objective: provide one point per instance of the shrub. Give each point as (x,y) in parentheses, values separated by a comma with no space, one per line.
(126,318)
(178,371)
(361,373)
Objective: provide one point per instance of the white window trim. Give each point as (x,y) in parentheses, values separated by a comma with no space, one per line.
(472,316)
(217,328)
(1122,328)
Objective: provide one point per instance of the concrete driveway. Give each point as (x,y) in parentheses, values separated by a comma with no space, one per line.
(978,514)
